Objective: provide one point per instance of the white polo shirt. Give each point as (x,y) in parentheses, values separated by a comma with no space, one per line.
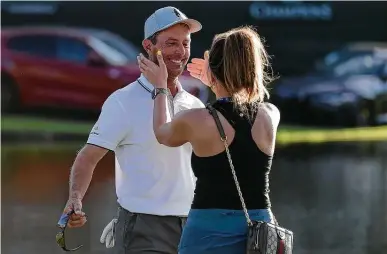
(150,178)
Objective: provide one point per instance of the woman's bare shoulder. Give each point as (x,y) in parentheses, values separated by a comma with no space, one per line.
(268,113)
(265,127)
(192,115)
(270,109)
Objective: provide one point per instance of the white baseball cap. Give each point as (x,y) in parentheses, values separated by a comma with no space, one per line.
(166,17)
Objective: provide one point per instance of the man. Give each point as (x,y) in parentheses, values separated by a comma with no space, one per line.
(154,183)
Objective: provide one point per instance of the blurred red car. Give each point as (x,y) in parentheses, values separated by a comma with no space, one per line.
(68,67)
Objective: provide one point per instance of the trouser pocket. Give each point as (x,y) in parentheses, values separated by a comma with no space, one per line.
(124,230)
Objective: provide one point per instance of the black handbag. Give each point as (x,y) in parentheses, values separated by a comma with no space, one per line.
(262,237)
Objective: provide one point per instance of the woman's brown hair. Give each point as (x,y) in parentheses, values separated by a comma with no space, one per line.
(238,60)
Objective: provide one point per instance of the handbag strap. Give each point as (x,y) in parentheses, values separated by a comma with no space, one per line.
(223,138)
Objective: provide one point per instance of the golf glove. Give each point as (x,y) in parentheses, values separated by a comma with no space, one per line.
(108,234)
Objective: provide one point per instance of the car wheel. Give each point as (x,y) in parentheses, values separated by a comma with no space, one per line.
(9,95)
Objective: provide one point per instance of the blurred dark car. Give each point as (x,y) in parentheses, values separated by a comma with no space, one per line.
(347,88)
(69,67)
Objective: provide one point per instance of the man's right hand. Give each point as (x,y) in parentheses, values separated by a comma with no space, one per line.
(80,177)
(78,218)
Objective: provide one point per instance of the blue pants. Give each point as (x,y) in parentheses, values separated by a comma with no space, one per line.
(218,231)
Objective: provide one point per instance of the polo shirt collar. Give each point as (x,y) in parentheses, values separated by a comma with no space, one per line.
(150,87)
(145,83)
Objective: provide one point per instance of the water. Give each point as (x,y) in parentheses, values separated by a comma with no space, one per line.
(333,197)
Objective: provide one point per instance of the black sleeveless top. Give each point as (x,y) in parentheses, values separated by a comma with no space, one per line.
(215,186)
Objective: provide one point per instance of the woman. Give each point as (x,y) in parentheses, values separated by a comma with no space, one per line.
(234,70)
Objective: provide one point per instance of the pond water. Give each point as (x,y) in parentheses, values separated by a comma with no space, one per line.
(333,197)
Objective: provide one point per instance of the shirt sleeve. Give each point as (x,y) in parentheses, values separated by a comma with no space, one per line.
(198,104)
(112,125)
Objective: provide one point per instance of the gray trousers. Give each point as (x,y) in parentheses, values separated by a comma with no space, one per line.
(138,233)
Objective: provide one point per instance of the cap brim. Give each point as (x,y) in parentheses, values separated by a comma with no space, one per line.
(193,24)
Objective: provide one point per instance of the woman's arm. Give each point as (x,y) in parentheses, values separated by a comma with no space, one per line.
(173,133)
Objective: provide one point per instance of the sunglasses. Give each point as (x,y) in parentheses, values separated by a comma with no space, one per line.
(60,236)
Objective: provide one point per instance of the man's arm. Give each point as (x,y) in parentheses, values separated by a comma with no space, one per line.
(83,168)
(111,128)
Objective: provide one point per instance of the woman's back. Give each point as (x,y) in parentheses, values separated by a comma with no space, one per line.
(251,146)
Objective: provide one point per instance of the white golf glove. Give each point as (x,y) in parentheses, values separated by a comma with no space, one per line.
(108,234)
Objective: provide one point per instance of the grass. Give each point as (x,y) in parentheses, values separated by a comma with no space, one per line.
(35,124)
(286,134)
(294,134)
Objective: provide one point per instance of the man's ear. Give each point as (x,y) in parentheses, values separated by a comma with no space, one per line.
(147,45)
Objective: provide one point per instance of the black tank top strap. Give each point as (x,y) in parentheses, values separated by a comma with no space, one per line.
(238,120)
(225,109)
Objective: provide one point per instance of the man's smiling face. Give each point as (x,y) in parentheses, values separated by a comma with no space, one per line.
(175,45)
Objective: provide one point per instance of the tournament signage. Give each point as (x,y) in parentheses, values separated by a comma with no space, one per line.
(29,7)
(291,10)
